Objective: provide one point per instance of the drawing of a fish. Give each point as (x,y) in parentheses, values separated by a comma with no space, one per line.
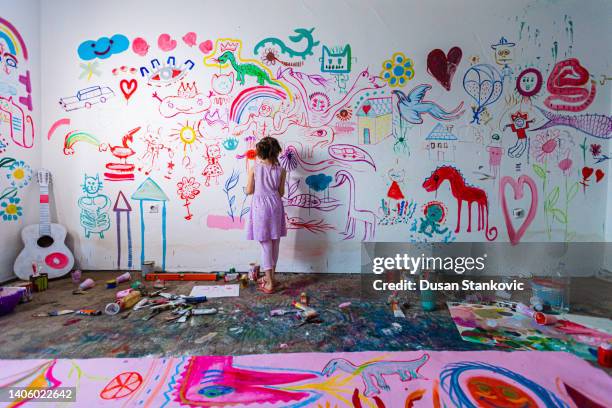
(592,124)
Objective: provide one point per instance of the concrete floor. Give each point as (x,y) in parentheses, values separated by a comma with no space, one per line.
(243,324)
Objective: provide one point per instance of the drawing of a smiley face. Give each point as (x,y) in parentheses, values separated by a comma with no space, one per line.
(103,47)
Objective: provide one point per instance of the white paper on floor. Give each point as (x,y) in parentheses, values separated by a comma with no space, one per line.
(216,291)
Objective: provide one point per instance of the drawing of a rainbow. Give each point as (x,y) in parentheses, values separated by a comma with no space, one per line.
(247,96)
(13,39)
(77,136)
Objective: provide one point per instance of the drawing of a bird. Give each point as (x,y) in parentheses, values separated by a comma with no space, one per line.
(412,106)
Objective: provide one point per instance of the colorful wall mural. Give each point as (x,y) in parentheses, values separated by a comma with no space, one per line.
(409,133)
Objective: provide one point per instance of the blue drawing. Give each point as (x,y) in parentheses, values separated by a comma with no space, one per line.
(230,184)
(123,206)
(103,48)
(337,60)
(484,84)
(94,207)
(151,191)
(231,143)
(318,182)
(302,34)
(413,105)
(86,97)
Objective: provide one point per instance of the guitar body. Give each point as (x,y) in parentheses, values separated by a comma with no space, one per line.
(49,250)
(44,243)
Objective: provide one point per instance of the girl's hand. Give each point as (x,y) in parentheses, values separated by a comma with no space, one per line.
(250,187)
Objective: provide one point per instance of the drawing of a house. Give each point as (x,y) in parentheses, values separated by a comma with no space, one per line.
(374,120)
(441,143)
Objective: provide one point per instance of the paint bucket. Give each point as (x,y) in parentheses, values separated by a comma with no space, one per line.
(146,268)
(40,282)
(123,278)
(112,309)
(76,276)
(87,284)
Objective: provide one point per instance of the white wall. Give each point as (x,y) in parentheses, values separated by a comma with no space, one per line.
(375,32)
(24,16)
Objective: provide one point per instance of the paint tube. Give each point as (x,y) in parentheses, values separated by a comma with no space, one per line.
(309,312)
(89,312)
(280,312)
(230,277)
(141,304)
(544,319)
(53,313)
(192,300)
(204,312)
(123,278)
(87,284)
(397,311)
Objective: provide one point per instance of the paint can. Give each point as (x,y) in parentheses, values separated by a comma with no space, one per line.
(26,294)
(40,282)
(76,276)
(112,309)
(87,284)
(544,319)
(604,355)
(146,268)
(123,278)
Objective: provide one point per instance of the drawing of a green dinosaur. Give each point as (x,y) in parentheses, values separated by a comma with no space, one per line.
(302,33)
(246,69)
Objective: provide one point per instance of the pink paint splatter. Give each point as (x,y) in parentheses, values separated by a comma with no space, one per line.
(224,222)
(166,43)
(206,46)
(190,38)
(140,46)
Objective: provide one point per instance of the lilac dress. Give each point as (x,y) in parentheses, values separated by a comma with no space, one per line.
(267,215)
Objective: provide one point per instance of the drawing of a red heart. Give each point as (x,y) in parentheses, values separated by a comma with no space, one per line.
(166,43)
(518,187)
(206,46)
(443,66)
(599,174)
(366,108)
(128,88)
(586,172)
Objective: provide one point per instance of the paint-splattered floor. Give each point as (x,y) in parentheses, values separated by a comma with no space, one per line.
(243,324)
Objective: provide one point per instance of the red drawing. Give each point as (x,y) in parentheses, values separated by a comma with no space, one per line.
(568,87)
(190,38)
(518,188)
(443,66)
(154,147)
(123,170)
(128,88)
(395,192)
(520,124)
(58,123)
(206,46)
(140,46)
(314,226)
(463,192)
(187,189)
(121,386)
(587,172)
(166,43)
(213,168)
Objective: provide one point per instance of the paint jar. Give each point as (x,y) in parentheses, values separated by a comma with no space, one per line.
(76,276)
(40,282)
(604,355)
(123,278)
(553,293)
(87,284)
(146,268)
(253,271)
(112,309)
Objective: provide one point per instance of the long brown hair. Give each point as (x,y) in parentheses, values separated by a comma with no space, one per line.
(268,149)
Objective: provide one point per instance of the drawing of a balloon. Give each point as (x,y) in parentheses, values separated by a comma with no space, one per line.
(484,84)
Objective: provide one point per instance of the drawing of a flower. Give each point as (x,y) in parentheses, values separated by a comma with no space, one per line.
(19,174)
(269,56)
(398,70)
(188,188)
(289,159)
(10,210)
(566,165)
(595,149)
(545,144)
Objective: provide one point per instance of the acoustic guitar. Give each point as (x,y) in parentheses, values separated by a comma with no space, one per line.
(44,242)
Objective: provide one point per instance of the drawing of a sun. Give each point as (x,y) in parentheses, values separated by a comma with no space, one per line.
(187,136)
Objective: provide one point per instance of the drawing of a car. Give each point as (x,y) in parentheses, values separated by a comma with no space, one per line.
(86,97)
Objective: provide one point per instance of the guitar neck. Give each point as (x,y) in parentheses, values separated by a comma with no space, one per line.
(45,220)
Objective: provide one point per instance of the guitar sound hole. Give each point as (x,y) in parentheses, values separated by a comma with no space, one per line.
(45,241)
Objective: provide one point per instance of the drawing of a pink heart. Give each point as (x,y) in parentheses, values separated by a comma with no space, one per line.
(140,46)
(190,39)
(206,46)
(518,187)
(166,43)
(443,66)
(128,87)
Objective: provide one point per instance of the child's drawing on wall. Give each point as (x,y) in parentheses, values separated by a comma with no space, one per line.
(94,207)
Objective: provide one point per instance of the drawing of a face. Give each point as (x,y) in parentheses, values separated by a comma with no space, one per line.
(214,151)
(91,185)
(529,82)
(175,105)
(504,55)
(397,175)
(223,84)
(265,110)
(494,393)
(434,212)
